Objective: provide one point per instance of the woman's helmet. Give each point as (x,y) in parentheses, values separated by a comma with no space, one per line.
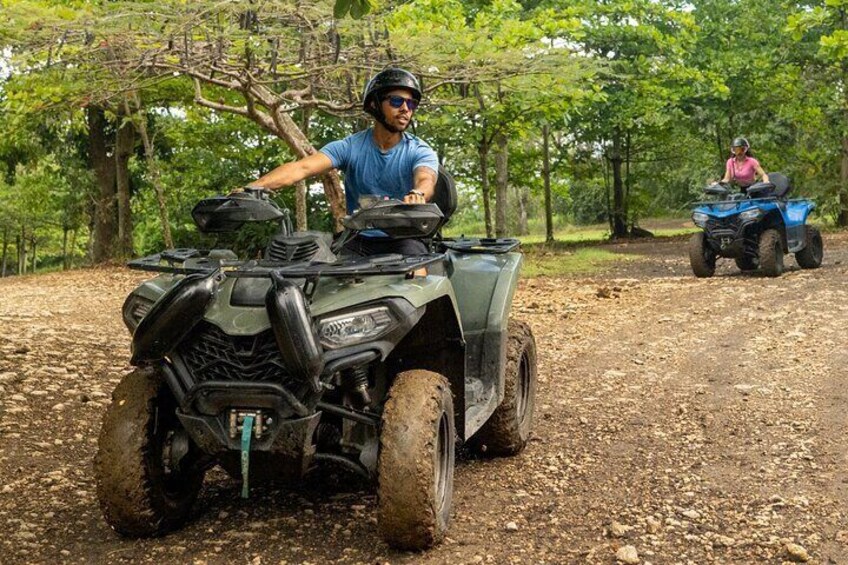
(384,81)
(740,142)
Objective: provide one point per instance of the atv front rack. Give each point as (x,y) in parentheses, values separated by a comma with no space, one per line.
(198,262)
(746,201)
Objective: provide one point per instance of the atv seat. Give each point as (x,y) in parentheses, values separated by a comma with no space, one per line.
(778,186)
(782,184)
(445,196)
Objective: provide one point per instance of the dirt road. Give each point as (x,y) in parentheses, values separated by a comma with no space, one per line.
(694,420)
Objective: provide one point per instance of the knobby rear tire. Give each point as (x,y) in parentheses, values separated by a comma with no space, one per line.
(811,256)
(507,430)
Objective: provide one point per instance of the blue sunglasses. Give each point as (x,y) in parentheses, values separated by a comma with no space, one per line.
(398,101)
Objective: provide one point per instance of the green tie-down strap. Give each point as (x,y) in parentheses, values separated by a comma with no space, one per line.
(246,432)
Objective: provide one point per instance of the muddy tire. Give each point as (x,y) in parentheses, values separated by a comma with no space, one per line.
(771,253)
(701,257)
(747,263)
(139,494)
(416,461)
(508,429)
(811,256)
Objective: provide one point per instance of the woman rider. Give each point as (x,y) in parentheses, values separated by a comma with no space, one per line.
(742,168)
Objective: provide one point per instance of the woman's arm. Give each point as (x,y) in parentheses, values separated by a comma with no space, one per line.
(761,173)
(728,176)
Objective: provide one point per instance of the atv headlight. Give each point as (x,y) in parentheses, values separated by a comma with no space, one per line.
(751,214)
(356,327)
(700,219)
(135,308)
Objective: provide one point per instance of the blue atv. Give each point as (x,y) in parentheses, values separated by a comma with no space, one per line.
(755,228)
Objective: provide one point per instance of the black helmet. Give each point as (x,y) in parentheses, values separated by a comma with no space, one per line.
(387,80)
(740,142)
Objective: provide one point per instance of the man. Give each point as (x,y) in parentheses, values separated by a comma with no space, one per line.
(383,161)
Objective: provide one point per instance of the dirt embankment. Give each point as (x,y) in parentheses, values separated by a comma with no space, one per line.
(694,420)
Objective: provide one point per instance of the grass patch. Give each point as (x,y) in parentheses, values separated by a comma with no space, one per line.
(586,260)
(597,233)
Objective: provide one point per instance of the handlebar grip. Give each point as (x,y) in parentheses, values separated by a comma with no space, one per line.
(258,192)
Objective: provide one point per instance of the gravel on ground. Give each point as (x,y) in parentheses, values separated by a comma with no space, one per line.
(679,420)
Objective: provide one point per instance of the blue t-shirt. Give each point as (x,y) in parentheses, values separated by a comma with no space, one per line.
(368,170)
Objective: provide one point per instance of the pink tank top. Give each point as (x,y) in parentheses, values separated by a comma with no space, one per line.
(743,173)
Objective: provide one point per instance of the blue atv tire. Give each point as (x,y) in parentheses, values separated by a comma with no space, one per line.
(771,253)
(811,256)
(701,257)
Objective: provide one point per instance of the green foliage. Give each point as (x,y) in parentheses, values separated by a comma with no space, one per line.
(673,81)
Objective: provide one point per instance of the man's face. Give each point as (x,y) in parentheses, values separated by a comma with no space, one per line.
(400,117)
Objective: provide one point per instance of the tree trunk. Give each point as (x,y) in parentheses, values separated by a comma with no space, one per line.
(546,175)
(483,152)
(5,251)
(720,146)
(605,161)
(105,226)
(300,206)
(523,196)
(301,222)
(18,252)
(73,248)
(501,184)
(65,248)
(124,144)
(22,252)
(153,168)
(626,205)
(619,219)
(842,215)
(34,260)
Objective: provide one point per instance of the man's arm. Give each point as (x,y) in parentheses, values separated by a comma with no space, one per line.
(286,175)
(425,186)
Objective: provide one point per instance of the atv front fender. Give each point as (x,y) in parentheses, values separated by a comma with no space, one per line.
(173,316)
(484,285)
(796,214)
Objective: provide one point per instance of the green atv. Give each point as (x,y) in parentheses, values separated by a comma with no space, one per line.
(269,367)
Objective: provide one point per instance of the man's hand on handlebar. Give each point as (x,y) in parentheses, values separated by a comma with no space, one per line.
(414,197)
(258,192)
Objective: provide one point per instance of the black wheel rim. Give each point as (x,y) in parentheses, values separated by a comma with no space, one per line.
(174,481)
(778,256)
(523,392)
(443,462)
